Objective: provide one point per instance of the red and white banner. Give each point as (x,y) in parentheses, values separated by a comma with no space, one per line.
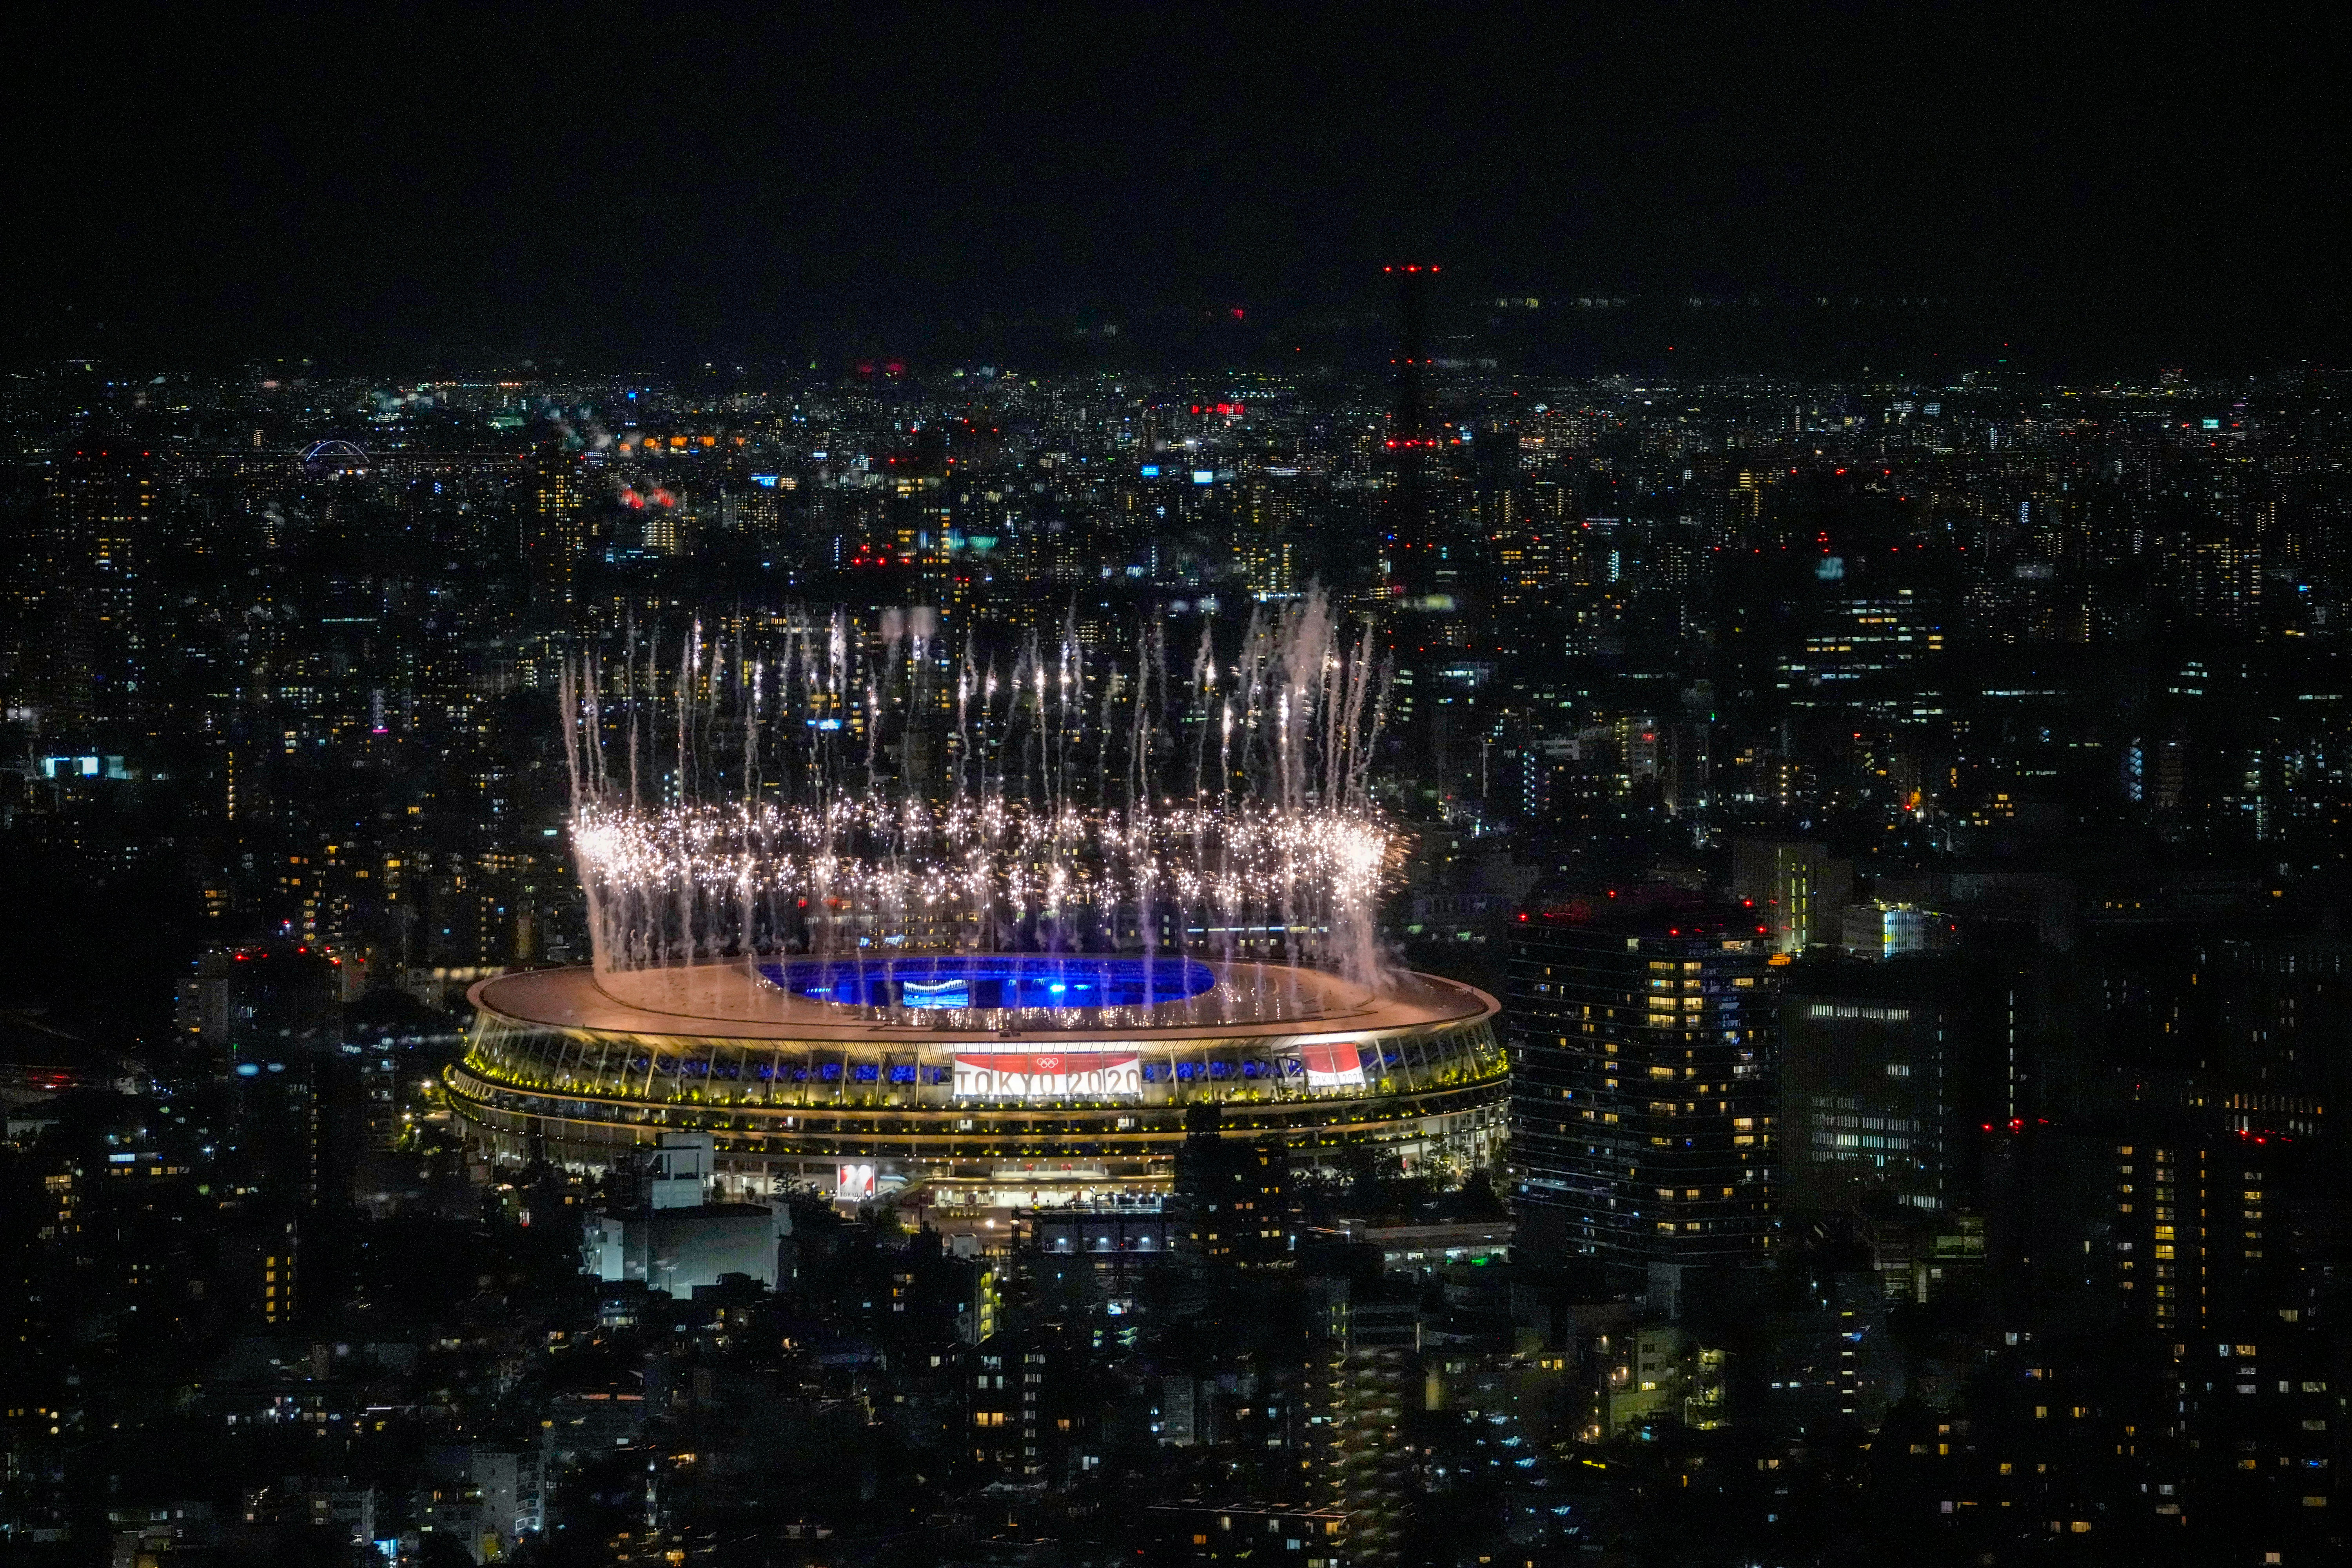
(1334,1065)
(1048,1075)
(854,1182)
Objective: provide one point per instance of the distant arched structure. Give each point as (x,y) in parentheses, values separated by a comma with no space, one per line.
(328,457)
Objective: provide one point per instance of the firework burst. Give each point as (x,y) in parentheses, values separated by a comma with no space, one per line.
(823,786)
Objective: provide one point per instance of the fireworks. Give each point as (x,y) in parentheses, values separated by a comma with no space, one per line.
(821,786)
(694,879)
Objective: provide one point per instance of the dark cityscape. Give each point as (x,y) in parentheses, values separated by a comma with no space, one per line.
(971,788)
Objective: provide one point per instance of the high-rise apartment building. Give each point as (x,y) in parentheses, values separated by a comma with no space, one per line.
(1643,1096)
(556,529)
(88,586)
(1374,1379)
(1232,1201)
(2199,1219)
(2223,581)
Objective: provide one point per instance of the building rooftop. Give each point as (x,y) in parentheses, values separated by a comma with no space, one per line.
(1653,918)
(729,999)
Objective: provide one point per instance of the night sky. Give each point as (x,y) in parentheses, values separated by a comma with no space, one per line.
(621,188)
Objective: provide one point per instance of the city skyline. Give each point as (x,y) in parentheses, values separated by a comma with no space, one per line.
(1051,788)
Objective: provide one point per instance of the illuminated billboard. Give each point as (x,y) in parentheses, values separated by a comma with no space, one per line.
(1338,1065)
(1101,1073)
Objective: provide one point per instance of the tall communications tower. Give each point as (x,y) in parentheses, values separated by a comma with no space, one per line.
(1412,550)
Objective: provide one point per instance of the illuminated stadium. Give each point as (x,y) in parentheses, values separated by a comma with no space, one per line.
(988,1080)
(877,918)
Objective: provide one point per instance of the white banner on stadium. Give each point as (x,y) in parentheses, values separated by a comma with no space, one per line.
(1048,1075)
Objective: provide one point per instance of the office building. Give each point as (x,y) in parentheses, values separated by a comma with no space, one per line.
(1865,1088)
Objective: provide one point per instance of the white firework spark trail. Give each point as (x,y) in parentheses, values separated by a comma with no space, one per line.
(832,787)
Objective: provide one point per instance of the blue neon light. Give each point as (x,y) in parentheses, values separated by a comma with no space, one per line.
(1027,980)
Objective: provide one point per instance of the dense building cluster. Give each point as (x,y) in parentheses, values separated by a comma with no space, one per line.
(1902,818)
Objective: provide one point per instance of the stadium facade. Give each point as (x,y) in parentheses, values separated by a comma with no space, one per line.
(985,1081)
